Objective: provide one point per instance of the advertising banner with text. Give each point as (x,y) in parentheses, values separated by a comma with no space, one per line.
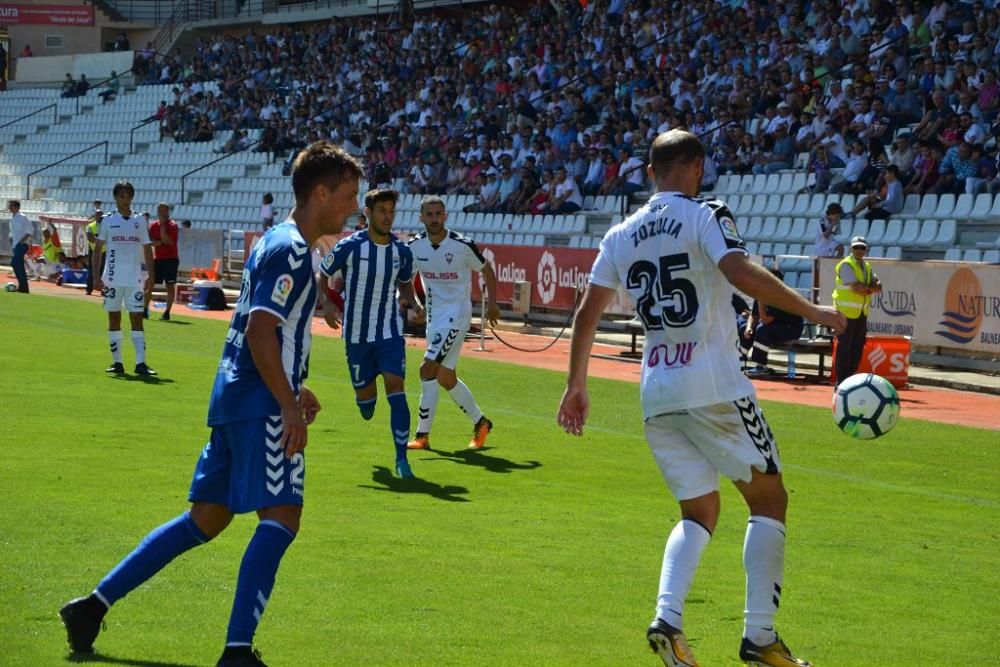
(554,273)
(940,304)
(64,15)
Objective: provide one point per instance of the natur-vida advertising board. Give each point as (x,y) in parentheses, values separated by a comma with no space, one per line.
(938,304)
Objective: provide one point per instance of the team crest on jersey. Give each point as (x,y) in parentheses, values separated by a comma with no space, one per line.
(282,289)
(449,257)
(728,228)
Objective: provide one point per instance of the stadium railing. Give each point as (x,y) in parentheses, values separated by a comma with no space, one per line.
(27,186)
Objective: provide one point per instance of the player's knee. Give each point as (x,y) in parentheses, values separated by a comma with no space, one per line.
(210,518)
(447,378)
(288,516)
(429,369)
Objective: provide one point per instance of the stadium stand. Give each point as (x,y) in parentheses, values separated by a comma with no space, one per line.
(549,85)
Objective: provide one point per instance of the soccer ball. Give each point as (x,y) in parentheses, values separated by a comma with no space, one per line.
(865,406)
(11,287)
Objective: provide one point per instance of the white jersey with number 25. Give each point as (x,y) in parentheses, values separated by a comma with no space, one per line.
(666,255)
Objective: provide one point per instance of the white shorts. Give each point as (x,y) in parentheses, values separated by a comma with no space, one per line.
(133,299)
(693,447)
(444,342)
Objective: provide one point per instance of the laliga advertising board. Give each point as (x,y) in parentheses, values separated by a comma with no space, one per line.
(556,275)
(937,304)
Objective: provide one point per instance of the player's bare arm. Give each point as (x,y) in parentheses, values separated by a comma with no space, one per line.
(758,282)
(147,254)
(98,249)
(408,297)
(330,312)
(266,354)
(308,404)
(575,404)
(490,281)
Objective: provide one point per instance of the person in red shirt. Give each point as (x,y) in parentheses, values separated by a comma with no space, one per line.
(163,234)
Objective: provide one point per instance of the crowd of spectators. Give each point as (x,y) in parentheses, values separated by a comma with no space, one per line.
(530,110)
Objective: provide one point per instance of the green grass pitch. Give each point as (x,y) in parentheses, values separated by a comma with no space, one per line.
(540,550)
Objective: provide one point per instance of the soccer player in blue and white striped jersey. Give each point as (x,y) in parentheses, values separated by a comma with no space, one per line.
(259,413)
(375,265)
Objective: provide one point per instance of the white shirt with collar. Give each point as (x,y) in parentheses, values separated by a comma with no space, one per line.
(20,226)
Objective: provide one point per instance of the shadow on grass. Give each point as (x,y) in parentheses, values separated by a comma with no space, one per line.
(145,379)
(476,457)
(389,482)
(111,660)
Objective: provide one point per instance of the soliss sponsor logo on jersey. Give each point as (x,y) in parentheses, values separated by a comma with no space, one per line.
(671,355)
(449,275)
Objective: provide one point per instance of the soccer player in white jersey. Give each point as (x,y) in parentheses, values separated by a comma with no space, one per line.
(446,260)
(126,237)
(259,413)
(376,265)
(680,256)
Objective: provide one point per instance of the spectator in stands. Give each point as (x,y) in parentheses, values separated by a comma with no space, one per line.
(903,156)
(509,182)
(82,86)
(267,211)
(935,118)
(878,160)
(565,196)
(882,205)
(457,172)
(631,174)
(902,104)
(781,155)
(848,180)
(26,52)
(956,166)
(594,179)
(69,86)
(827,243)
(121,43)
(765,327)
(111,87)
(987,171)
(925,170)
(419,176)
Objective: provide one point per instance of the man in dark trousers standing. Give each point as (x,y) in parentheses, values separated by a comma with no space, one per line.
(20,242)
(764,327)
(855,282)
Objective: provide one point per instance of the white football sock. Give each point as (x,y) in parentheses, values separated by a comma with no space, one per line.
(430,391)
(463,397)
(684,547)
(139,343)
(116,338)
(764,561)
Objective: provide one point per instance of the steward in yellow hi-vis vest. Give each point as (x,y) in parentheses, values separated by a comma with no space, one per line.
(855,282)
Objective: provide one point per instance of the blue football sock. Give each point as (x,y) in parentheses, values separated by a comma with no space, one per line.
(257,571)
(399,420)
(158,548)
(367,408)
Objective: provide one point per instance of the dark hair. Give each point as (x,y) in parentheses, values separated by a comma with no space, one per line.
(268,198)
(834,208)
(893,169)
(431,199)
(321,163)
(14,202)
(674,148)
(123,186)
(373,197)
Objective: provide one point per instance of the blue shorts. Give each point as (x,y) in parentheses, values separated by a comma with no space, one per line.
(365,361)
(243,467)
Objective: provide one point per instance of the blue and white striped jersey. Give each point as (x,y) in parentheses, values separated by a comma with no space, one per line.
(277,278)
(371,272)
